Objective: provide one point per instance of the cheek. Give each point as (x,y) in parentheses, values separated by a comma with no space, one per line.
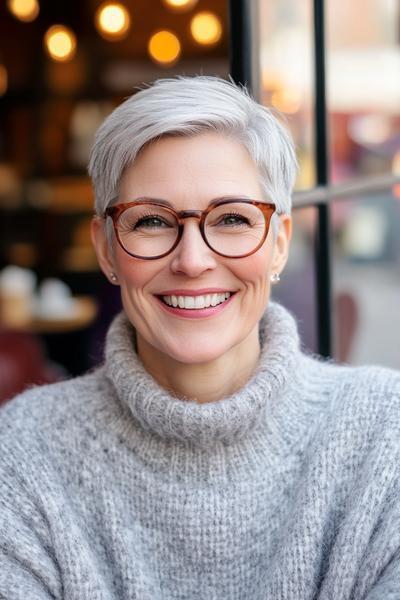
(254,273)
(134,274)
(255,269)
(134,277)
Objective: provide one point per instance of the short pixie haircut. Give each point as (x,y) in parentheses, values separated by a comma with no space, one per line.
(188,106)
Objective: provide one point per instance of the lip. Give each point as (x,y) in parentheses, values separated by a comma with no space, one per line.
(196,313)
(201,292)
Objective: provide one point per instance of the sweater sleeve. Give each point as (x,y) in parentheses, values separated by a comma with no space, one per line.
(386,545)
(385,540)
(388,584)
(25,565)
(28,567)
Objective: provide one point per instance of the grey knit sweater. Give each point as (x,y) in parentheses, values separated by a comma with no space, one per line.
(110,488)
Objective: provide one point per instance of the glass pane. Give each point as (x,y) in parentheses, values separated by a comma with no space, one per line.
(286,73)
(297,288)
(366,278)
(363,87)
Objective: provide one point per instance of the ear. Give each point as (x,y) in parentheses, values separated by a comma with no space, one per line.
(282,243)
(102,247)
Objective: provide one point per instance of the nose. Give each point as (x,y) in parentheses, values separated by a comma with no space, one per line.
(192,256)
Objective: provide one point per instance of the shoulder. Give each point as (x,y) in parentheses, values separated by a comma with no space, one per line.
(357,396)
(370,384)
(34,415)
(349,379)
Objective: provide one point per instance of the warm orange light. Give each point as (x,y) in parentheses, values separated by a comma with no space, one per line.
(206,28)
(60,43)
(24,10)
(287,101)
(3,80)
(164,47)
(112,21)
(180,5)
(396,191)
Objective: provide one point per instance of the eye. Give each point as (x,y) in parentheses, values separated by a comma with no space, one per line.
(151,222)
(233,219)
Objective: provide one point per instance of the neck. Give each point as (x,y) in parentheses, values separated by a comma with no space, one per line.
(268,399)
(205,382)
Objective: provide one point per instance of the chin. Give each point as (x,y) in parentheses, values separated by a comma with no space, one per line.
(196,353)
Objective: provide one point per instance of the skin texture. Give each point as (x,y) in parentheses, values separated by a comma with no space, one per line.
(204,359)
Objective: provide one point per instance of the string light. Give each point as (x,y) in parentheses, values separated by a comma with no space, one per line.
(24,10)
(180,5)
(112,21)
(206,28)
(164,47)
(60,43)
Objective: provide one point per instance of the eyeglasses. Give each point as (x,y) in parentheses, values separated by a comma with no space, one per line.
(233,228)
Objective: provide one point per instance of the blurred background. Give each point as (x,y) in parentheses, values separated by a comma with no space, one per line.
(64,66)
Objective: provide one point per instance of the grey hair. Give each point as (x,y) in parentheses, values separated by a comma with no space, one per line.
(187,106)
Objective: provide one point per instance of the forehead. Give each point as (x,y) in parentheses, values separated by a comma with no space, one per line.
(191,171)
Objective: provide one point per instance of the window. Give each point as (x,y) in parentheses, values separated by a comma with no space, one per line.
(335,78)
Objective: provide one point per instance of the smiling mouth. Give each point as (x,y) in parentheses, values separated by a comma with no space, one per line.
(196,302)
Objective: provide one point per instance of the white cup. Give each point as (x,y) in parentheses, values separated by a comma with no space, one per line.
(16,296)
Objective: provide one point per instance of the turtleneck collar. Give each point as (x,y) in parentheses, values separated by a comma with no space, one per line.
(268,400)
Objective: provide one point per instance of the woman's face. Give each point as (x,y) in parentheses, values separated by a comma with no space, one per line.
(190,172)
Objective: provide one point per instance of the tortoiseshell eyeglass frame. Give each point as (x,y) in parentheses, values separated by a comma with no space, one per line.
(267,208)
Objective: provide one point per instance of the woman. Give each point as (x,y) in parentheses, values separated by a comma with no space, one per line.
(208,458)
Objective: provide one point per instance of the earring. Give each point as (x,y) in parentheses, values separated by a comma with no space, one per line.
(275,278)
(113,277)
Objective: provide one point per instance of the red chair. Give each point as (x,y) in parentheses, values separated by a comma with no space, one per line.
(347,316)
(23,363)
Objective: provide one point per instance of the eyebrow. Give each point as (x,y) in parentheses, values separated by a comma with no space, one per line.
(218,199)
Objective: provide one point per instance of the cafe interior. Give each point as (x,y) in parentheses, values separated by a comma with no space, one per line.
(65,65)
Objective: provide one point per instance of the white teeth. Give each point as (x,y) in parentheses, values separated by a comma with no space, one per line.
(193,302)
(199,302)
(189,302)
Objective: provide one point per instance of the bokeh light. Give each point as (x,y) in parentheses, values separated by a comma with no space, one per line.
(3,80)
(60,43)
(164,47)
(180,5)
(286,100)
(206,28)
(112,21)
(24,10)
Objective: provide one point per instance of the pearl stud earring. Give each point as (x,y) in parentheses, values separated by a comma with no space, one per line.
(275,278)
(113,277)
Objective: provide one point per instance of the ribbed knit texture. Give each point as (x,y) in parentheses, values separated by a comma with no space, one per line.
(110,488)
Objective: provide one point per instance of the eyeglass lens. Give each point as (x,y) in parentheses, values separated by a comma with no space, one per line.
(232,229)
